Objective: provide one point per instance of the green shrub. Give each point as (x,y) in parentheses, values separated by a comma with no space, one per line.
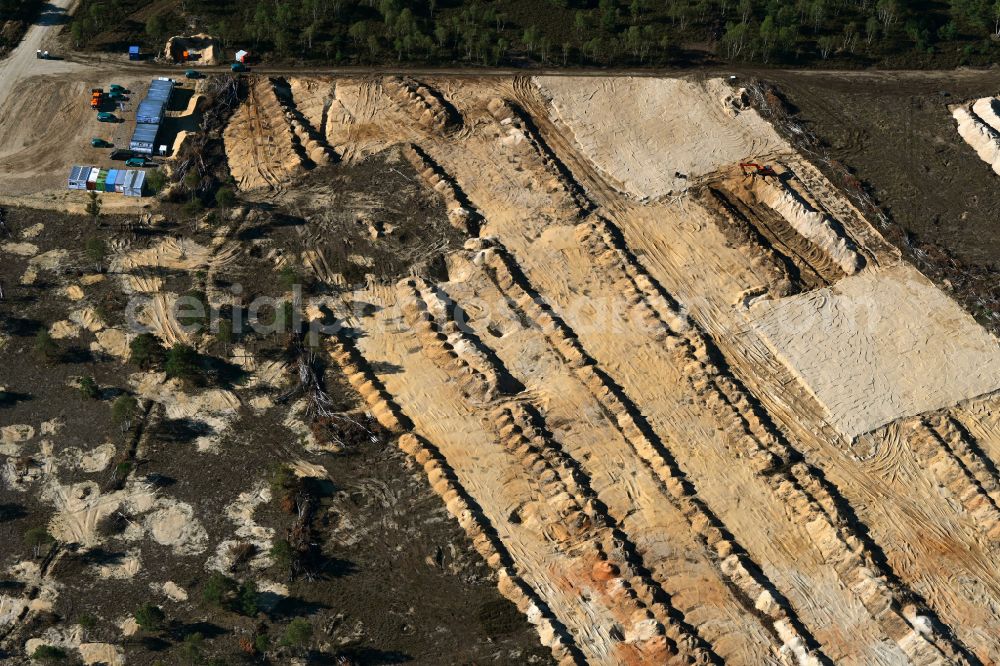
(36,537)
(247,599)
(225,197)
(298,633)
(123,411)
(219,590)
(89,388)
(48,653)
(281,553)
(182,363)
(150,617)
(146,351)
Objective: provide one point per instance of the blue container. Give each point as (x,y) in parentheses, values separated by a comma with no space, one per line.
(109,184)
(133,53)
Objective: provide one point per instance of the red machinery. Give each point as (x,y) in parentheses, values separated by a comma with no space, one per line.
(754,169)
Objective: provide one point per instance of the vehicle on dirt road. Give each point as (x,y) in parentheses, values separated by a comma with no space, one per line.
(138,162)
(106,117)
(100,143)
(120,154)
(193,74)
(115,88)
(239,67)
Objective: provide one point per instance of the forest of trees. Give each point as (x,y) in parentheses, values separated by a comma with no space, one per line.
(14,10)
(15,16)
(572,32)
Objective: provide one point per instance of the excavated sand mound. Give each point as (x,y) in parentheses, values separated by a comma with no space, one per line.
(880,345)
(642,132)
(979,125)
(260,142)
(811,224)
(987,110)
(202,49)
(313,97)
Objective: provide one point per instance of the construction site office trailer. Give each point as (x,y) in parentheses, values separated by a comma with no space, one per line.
(92,178)
(144,138)
(134,182)
(149,115)
(78,177)
(150,112)
(129,182)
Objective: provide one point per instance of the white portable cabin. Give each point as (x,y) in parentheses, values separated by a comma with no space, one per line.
(134,181)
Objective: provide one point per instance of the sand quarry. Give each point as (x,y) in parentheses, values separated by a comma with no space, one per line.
(684,411)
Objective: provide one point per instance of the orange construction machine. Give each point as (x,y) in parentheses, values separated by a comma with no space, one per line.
(95,97)
(754,169)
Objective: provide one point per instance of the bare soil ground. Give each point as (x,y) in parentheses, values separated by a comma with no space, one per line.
(646,299)
(655,386)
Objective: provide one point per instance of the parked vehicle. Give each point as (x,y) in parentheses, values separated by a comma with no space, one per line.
(100,143)
(106,117)
(137,162)
(121,154)
(96,94)
(115,88)
(193,74)
(239,67)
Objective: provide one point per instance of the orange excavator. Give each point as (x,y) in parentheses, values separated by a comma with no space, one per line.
(753,169)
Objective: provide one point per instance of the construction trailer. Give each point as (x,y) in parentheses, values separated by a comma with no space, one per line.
(144,138)
(129,182)
(149,115)
(134,182)
(242,56)
(109,182)
(78,177)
